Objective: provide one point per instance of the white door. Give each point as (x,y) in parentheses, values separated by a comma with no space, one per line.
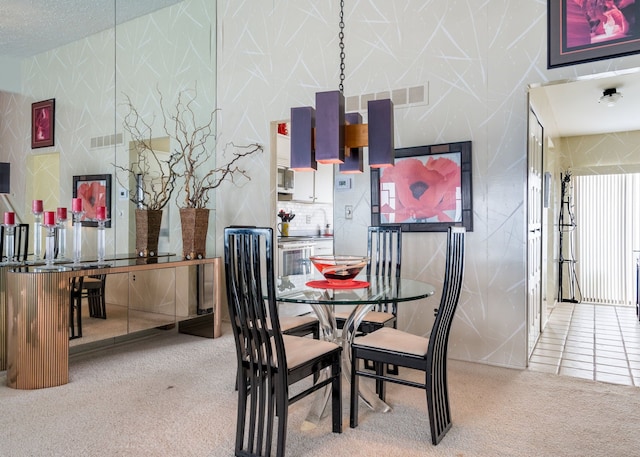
(534,230)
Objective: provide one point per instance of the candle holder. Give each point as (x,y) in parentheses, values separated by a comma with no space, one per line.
(61,222)
(101,216)
(101,240)
(50,245)
(9,242)
(77,235)
(37,210)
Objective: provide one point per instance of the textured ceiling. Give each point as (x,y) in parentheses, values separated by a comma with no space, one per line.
(29,27)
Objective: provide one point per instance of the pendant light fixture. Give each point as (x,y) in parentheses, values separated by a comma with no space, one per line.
(327,135)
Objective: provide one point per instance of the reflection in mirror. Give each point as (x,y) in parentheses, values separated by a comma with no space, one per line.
(88,76)
(152,298)
(116,321)
(148,299)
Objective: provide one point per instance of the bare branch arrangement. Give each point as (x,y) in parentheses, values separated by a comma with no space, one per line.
(194,148)
(154,178)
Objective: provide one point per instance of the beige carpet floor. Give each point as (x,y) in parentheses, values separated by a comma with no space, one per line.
(172,395)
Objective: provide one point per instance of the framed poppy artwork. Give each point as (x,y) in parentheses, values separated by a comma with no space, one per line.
(43,123)
(94,190)
(588,30)
(427,190)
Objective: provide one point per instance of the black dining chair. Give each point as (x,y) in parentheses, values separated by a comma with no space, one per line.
(384,249)
(20,243)
(268,360)
(392,346)
(303,325)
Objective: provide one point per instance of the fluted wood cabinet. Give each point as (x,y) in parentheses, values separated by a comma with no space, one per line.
(38,308)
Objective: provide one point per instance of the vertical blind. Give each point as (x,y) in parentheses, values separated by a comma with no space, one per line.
(607,239)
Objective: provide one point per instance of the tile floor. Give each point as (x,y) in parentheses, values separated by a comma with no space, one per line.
(599,342)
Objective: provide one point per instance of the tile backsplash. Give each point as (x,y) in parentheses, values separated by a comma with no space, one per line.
(311,219)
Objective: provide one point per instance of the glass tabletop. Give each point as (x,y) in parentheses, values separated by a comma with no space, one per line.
(295,289)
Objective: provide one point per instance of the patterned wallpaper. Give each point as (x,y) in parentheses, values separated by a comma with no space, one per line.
(476,60)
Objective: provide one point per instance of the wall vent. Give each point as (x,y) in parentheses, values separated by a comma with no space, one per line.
(106,141)
(405,97)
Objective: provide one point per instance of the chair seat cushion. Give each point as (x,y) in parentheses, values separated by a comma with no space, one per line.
(289,322)
(375,317)
(391,339)
(91,283)
(300,350)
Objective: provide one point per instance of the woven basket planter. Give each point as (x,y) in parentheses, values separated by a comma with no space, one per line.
(195,223)
(148,223)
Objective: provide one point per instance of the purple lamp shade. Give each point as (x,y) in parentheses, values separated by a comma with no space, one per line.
(381,141)
(303,121)
(330,127)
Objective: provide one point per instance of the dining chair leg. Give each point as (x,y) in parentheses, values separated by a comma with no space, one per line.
(381,370)
(355,388)
(336,396)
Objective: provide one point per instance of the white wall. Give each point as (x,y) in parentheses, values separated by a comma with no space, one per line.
(478,59)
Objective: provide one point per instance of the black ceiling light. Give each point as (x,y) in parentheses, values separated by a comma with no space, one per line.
(610,96)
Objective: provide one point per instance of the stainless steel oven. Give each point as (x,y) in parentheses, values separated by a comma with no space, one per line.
(294,256)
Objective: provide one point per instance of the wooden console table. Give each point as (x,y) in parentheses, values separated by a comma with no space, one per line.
(37,315)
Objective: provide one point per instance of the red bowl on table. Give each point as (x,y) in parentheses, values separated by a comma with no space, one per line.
(339,269)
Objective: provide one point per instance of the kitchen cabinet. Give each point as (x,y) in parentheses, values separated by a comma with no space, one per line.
(314,186)
(303,186)
(323,246)
(323,185)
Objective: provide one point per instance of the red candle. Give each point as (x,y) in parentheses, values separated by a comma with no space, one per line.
(61,214)
(9,218)
(101,213)
(36,206)
(76,205)
(49,218)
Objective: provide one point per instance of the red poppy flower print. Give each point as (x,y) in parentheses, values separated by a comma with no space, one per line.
(93,194)
(421,191)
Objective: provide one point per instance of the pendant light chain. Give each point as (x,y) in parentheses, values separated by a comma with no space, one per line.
(341,36)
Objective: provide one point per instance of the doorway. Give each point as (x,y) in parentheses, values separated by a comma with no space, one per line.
(43,184)
(583,136)
(534,230)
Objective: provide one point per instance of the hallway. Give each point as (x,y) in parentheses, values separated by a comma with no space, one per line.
(599,342)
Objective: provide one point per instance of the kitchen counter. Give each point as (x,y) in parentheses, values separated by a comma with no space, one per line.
(304,238)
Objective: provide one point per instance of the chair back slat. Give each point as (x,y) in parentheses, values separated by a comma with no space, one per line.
(384,249)
(437,395)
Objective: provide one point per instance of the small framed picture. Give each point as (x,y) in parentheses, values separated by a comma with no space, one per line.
(583,31)
(43,123)
(94,190)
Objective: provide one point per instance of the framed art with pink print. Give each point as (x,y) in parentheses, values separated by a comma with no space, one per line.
(43,123)
(427,190)
(95,191)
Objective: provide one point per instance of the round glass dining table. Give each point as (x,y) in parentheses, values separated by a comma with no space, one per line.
(363,294)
